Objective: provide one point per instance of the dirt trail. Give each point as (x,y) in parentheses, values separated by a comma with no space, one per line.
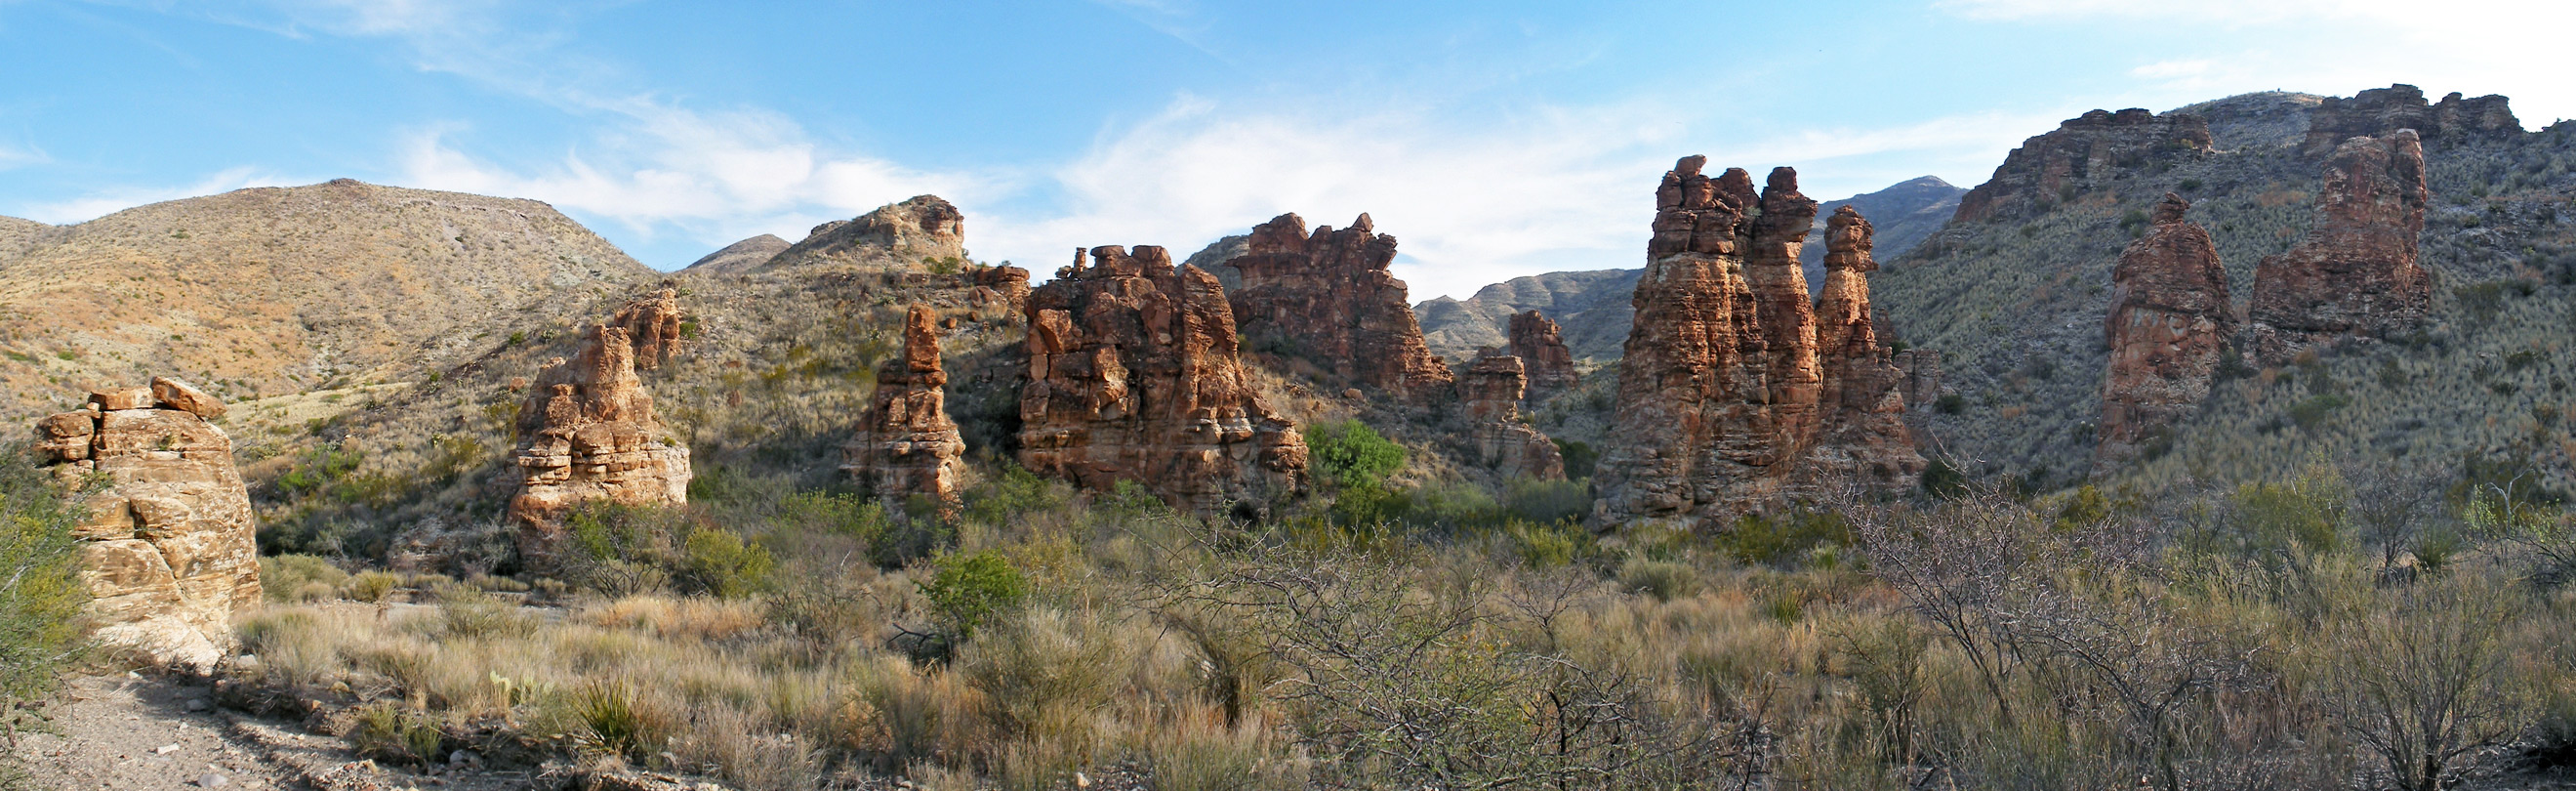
(145,732)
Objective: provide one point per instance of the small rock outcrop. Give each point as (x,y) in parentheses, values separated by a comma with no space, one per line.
(2170,320)
(2355,273)
(1134,375)
(1328,298)
(2097,145)
(168,550)
(1723,395)
(1005,287)
(1492,390)
(1536,340)
(899,236)
(587,432)
(654,324)
(2380,111)
(906,444)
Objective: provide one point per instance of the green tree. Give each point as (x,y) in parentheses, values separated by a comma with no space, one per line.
(40,591)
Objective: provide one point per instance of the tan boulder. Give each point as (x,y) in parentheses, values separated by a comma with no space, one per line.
(168,393)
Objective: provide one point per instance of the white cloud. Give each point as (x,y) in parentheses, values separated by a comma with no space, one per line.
(1472,204)
(12,156)
(715,177)
(105,202)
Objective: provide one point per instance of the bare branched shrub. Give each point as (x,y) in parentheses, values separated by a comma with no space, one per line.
(2425,681)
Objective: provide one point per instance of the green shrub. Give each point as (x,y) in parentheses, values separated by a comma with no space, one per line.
(396,735)
(1581,459)
(372,586)
(719,563)
(40,590)
(299,578)
(1349,453)
(1548,501)
(968,590)
(1663,579)
(1775,540)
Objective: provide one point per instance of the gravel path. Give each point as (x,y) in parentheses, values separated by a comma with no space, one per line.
(141,732)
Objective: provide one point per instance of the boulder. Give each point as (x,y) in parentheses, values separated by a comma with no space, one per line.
(168,549)
(653,323)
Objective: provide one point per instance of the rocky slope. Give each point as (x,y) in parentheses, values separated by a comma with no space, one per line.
(741,256)
(278,290)
(1592,307)
(2016,304)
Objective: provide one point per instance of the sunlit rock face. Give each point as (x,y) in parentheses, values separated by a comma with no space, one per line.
(587,432)
(906,444)
(1328,298)
(2169,323)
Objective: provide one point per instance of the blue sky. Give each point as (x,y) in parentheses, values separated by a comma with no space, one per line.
(1495,138)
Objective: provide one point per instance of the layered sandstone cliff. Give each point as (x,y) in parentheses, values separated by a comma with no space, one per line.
(2355,273)
(1536,340)
(906,445)
(1492,390)
(1327,297)
(1134,375)
(168,550)
(2170,320)
(1723,402)
(2098,145)
(2381,111)
(587,433)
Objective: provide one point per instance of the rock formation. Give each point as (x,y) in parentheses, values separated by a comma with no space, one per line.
(1492,389)
(1005,287)
(900,236)
(587,433)
(1133,375)
(1861,435)
(654,324)
(2380,111)
(1723,403)
(168,550)
(1535,341)
(2097,145)
(2355,273)
(2170,318)
(906,444)
(1328,298)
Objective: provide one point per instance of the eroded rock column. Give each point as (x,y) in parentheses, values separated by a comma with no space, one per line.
(1327,297)
(906,444)
(2356,272)
(2170,320)
(1492,392)
(587,432)
(168,552)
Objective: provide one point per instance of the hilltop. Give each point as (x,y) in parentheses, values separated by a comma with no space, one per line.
(273,291)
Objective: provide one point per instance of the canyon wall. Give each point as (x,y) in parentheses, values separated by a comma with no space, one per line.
(2054,167)
(2356,272)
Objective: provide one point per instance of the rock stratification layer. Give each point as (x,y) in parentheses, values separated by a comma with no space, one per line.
(2097,145)
(2170,320)
(1133,375)
(906,444)
(1492,390)
(168,550)
(1723,404)
(1328,298)
(587,432)
(1542,350)
(2380,111)
(2355,273)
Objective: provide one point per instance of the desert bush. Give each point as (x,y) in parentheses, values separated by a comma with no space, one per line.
(2425,681)
(1350,453)
(373,587)
(965,591)
(300,578)
(40,593)
(392,734)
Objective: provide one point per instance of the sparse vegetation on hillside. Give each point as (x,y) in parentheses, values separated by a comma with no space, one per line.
(40,598)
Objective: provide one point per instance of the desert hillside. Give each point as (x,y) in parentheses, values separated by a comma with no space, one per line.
(270,291)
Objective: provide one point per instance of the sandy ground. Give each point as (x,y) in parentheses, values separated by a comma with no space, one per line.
(138,732)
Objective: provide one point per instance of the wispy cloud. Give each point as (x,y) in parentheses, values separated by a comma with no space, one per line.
(99,204)
(16,156)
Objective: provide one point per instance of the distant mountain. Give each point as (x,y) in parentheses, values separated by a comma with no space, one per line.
(1592,307)
(278,290)
(741,256)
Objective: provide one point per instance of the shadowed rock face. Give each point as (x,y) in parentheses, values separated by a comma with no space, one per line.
(2097,145)
(2170,320)
(2355,273)
(1542,350)
(906,444)
(1736,392)
(2381,111)
(1492,390)
(1133,375)
(1328,298)
(168,550)
(587,432)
